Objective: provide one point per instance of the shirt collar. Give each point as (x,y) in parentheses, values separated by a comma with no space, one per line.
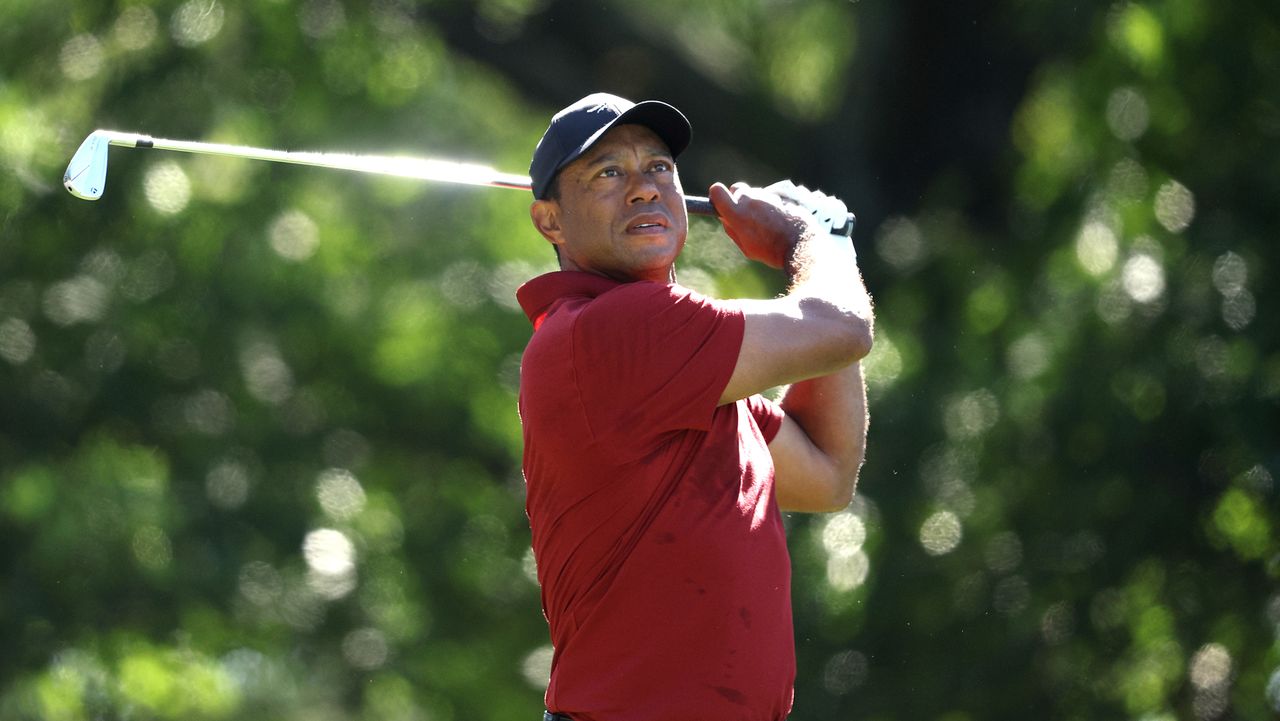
(539,295)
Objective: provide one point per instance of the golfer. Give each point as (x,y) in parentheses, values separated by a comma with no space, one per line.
(655,471)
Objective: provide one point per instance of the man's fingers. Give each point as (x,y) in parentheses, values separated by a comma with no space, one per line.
(789,192)
(741,199)
(719,192)
(722,199)
(782,188)
(728,204)
(830,209)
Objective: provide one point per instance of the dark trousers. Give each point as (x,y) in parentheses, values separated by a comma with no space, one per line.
(548,716)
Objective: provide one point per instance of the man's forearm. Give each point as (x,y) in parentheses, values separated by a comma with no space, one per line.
(826,267)
(832,409)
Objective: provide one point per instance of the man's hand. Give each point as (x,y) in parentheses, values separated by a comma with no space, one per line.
(828,211)
(762,224)
(767,223)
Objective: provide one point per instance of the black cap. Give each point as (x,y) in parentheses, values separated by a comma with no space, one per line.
(580,125)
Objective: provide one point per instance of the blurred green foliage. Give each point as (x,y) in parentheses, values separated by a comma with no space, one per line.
(259,454)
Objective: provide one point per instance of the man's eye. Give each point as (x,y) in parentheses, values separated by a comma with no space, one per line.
(662,166)
(610,173)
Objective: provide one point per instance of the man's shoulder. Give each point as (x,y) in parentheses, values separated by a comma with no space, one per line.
(641,298)
(641,291)
(617,315)
(614,303)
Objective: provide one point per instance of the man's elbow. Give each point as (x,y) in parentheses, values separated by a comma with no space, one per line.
(861,336)
(842,494)
(838,493)
(853,336)
(847,334)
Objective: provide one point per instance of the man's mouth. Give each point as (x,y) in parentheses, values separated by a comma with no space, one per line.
(647,224)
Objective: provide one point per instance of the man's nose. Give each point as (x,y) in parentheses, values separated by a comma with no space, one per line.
(643,189)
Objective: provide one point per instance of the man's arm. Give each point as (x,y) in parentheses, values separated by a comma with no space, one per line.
(819,449)
(813,338)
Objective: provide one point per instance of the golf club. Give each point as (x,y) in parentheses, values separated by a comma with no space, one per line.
(86,174)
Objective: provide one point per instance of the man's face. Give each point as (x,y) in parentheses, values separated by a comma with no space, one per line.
(621,211)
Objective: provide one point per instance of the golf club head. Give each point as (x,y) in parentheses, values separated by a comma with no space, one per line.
(86,174)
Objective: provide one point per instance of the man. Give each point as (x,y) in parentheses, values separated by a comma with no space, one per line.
(655,472)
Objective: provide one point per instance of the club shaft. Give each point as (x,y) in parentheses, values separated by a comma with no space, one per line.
(404,167)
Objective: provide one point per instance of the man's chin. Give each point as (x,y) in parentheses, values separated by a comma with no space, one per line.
(659,253)
(652,266)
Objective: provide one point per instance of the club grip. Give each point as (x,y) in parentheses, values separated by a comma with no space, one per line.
(702,206)
(699,206)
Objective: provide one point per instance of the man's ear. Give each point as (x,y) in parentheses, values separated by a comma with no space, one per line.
(546,218)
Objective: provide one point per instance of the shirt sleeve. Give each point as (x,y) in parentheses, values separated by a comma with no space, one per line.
(768,416)
(651,357)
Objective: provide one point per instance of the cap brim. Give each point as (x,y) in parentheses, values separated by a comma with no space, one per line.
(665,120)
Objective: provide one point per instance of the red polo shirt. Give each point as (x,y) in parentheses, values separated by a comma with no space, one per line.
(661,552)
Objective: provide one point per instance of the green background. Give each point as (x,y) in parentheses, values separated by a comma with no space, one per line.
(259,454)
